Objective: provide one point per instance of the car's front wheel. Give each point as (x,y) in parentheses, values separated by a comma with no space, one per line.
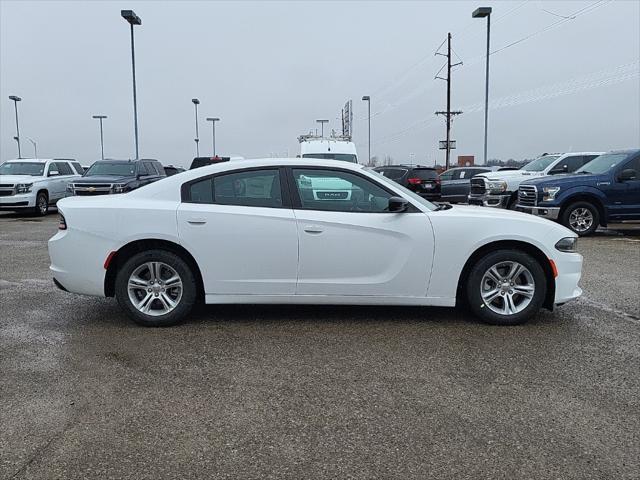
(581,217)
(42,204)
(156,288)
(506,287)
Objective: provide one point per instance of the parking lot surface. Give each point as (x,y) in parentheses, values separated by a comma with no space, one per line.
(317,392)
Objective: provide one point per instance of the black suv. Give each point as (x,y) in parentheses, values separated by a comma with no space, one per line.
(204,161)
(422,180)
(117,176)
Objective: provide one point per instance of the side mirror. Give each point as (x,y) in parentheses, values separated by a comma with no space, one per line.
(398,204)
(627,174)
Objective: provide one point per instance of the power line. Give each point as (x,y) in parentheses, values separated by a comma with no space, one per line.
(609,76)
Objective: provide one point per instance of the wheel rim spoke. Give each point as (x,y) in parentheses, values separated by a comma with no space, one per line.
(152,295)
(509,293)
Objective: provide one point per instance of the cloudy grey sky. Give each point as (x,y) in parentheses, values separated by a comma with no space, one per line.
(269,69)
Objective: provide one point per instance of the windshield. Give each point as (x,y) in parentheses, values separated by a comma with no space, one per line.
(603,163)
(408,193)
(345,157)
(539,164)
(35,169)
(120,169)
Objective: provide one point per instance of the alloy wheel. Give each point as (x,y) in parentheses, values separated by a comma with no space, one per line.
(581,219)
(42,205)
(155,288)
(507,288)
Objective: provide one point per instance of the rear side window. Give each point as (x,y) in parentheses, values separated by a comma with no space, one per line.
(393,173)
(254,188)
(64,168)
(448,175)
(424,173)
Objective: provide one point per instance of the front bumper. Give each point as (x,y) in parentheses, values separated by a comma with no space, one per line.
(488,200)
(551,213)
(21,200)
(569,267)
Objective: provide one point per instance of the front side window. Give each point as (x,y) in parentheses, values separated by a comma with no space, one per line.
(22,168)
(254,188)
(53,170)
(603,163)
(78,168)
(448,175)
(539,164)
(339,191)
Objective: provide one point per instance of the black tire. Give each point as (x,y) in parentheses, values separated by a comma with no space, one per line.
(185,302)
(581,229)
(474,285)
(42,204)
(513,201)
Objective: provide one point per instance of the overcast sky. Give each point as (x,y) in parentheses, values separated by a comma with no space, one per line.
(269,69)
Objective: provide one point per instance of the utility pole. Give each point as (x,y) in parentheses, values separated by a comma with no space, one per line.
(448,114)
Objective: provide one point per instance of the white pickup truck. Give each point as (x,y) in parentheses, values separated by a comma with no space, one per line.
(500,189)
(35,183)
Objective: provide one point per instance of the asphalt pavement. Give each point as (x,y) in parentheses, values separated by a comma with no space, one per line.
(317,392)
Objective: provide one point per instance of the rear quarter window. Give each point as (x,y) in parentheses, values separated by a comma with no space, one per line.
(424,173)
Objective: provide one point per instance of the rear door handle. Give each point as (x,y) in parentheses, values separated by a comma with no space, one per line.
(196,221)
(313,229)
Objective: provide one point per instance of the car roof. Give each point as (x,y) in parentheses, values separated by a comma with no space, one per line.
(39,160)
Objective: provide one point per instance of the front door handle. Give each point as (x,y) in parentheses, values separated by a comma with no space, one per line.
(313,229)
(196,221)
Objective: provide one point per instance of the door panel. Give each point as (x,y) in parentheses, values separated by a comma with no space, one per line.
(241,250)
(349,253)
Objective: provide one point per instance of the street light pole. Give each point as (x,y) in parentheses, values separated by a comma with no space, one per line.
(17,137)
(133,19)
(480,13)
(196,102)
(35,147)
(213,125)
(367,99)
(101,117)
(322,122)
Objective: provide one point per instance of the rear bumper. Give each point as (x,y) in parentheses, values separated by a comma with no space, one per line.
(496,201)
(76,265)
(551,213)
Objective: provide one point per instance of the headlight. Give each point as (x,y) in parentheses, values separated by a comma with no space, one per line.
(549,193)
(119,187)
(567,244)
(23,187)
(497,187)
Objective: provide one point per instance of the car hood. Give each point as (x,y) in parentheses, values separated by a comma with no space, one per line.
(19,179)
(497,220)
(105,179)
(509,175)
(562,180)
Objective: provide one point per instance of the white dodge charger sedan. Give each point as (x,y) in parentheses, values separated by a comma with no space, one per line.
(314,232)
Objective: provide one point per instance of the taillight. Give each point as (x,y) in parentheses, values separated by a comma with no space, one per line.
(62,223)
(414,181)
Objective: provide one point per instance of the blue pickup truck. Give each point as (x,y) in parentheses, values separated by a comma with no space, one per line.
(605,190)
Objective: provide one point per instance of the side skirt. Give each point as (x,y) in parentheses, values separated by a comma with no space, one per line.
(329,300)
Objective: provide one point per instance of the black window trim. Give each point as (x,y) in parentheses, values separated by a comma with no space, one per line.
(297,203)
(185,189)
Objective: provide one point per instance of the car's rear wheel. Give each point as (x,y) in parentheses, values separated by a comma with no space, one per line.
(582,218)
(42,204)
(506,287)
(156,288)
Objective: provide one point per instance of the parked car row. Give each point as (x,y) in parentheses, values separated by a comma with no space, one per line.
(580,190)
(36,184)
